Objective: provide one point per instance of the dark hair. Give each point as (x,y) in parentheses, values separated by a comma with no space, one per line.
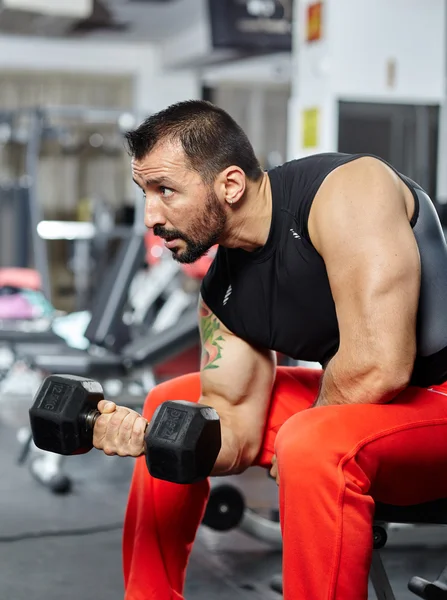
(211,139)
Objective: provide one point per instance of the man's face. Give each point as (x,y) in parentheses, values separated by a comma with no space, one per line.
(180,207)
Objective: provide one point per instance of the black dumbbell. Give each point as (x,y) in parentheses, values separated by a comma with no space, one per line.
(181,442)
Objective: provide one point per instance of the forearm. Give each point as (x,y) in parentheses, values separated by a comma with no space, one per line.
(349,382)
(234,454)
(239,444)
(230,460)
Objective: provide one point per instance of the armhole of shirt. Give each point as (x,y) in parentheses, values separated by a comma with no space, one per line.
(305,206)
(210,286)
(204,288)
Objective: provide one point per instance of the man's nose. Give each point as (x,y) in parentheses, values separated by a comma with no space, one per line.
(153,212)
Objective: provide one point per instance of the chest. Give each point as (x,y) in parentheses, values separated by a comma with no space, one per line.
(283,303)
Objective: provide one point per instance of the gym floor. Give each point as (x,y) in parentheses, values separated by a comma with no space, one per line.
(223,566)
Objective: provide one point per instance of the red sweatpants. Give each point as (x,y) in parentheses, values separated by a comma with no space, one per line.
(333,463)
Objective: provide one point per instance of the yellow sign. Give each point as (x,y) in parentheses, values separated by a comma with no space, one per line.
(310,127)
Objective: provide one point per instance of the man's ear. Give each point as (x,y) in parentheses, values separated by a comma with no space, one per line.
(234,184)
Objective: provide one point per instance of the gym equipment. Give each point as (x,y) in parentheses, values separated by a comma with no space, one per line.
(100,363)
(182,441)
(121,339)
(106,328)
(20,206)
(134,327)
(110,354)
(225,508)
(48,358)
(431,590)
(20,277)
(21,300)
(15,227)
(72,130)
(81,236)
(50,475)
(427,513)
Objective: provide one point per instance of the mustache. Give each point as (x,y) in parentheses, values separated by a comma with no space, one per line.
(167,235)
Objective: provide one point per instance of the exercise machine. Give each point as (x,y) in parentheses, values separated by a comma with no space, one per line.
(227,510)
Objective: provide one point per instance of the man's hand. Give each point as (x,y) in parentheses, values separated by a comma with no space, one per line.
(274,470)
(119,430)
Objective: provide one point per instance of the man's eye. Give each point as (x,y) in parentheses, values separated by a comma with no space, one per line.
(166,192)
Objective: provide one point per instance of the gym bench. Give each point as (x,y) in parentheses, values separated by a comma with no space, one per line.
(429,513)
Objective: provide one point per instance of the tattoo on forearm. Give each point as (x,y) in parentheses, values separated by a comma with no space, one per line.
(211,339)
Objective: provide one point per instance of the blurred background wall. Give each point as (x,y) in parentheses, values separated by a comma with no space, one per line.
(300,77)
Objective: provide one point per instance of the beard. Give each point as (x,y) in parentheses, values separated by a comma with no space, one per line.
(203,233)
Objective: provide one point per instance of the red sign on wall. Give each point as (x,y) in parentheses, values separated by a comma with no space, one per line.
(314,21)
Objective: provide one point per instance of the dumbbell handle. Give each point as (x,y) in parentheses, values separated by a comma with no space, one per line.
(90,418)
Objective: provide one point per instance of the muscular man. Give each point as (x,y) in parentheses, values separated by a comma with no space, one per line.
(333,258)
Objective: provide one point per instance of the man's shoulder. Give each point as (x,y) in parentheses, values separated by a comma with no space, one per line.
(320,157)
(308,168)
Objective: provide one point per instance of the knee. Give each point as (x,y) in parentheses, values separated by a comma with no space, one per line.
(186,387)
(310,441)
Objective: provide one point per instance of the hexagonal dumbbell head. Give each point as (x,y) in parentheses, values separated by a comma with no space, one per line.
(182,441)
(61,415)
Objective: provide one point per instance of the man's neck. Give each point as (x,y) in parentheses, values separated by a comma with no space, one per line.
(249,224)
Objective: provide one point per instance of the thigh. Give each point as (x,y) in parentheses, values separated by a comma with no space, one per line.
(410,456)
(400,446)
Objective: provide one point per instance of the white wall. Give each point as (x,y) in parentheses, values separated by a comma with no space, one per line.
(312,85)
(267,70)
(164,87)
(365,35)
(154,88)
(360,40)
(80,9)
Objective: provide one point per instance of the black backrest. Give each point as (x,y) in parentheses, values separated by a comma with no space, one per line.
(106,327)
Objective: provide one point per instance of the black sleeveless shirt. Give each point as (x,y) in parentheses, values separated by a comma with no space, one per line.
(279,297)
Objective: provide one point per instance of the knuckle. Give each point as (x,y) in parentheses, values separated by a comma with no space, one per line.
(127,424)
(136,443)
(135,449)
(108,450)
(117,418)
(101,423)
(97,440)
(139,426)
(138,433)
